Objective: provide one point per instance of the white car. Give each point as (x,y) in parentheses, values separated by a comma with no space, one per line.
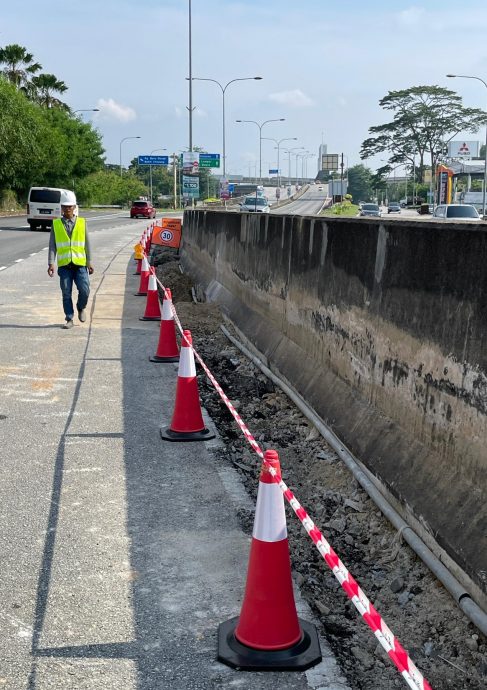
(462,212)
(255,204)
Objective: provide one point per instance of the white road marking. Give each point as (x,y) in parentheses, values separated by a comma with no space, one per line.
(17,261)
(33,254)
(2,268)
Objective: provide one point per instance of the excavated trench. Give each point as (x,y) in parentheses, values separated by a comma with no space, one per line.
(444,644)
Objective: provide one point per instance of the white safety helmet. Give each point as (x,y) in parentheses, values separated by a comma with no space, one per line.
(68,198)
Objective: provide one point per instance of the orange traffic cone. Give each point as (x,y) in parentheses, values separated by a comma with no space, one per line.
(167,349)
(144,277)
(139,267)
(187,421)
(268,634)
(152,307)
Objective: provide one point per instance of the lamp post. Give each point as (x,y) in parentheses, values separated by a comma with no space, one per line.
(289,152)
(279,142)
(467,76)
(223,89)
(87,110)
(124,139)
(299,155)
(280,119)
(150,172)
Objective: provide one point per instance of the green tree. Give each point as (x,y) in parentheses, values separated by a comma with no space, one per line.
(360,183)
(18,64)
(107,187)
(23,135)
(425,119)
(43,89)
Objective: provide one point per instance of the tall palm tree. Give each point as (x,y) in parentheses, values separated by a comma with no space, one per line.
(45,86)
(18,64)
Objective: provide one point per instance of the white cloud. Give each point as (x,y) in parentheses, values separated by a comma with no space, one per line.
(179,112)
(199,112)
(411,16)
(294,99)
(111,110)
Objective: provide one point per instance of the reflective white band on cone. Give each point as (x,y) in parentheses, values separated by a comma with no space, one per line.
(152,282)
(187,368)
(145,265)
(166,310)
(270,517)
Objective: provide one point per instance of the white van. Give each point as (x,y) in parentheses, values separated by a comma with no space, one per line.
(43,205)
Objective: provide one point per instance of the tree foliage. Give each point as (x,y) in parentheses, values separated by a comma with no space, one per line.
(108,187)
(360,183)
(425,119)
(18,64)
(44,88)
(43,146)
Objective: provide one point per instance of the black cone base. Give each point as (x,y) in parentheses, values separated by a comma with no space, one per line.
(155,358)
(299,657)
(139,294)
(149,318)
(169,435)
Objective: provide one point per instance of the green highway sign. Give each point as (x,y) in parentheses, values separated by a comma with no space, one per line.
(209,160)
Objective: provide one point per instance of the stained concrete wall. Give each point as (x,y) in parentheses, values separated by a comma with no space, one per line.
(382,327)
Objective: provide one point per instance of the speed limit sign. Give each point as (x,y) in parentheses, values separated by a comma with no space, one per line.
(166,235)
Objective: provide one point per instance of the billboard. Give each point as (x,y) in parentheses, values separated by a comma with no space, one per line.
(463,149)
(329,161)
(191,162)
(191,187)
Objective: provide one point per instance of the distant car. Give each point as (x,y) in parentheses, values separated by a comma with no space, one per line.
(370,210)
(463,212)
(394,208)
(320,188)
(255,204)
(142,209)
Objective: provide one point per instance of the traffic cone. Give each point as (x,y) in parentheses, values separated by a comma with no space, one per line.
(152,307)
(167,348)
(187,421)
(139,267)
(144,277)
(268,635)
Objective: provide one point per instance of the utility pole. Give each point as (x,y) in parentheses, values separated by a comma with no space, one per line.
(175,176)
(341,179)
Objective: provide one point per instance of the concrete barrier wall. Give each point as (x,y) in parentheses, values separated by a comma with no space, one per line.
(382,327)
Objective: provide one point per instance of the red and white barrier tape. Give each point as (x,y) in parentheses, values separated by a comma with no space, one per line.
(371,616)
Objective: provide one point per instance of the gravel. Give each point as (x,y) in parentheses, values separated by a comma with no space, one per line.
(443,643)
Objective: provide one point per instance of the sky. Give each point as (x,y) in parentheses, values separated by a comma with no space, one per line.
(324,67)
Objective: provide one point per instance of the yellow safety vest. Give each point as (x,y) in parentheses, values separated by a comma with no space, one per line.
(70,250)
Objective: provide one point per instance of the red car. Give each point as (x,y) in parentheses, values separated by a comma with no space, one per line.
(142,209)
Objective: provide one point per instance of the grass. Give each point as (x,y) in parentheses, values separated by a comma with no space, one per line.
(345,210)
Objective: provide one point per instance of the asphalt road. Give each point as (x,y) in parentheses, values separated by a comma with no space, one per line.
(308,204)
(18,241)
(121,553)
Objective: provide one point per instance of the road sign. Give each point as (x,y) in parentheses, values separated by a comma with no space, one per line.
(209,160)
(273,171)
(191,187)
(153,160)
(329,161)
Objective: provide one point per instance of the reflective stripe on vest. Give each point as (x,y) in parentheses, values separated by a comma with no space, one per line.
(70,250)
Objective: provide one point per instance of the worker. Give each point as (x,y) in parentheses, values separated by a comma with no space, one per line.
(69,240)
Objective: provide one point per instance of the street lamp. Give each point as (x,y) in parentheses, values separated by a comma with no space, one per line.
(278,147)
(280,119)
(467,76)
(150,172)
(124,139)
(289,151)
(87,110)
(299,155)
(223,89)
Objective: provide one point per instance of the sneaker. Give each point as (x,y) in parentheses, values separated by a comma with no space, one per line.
(68,324)
(82,315)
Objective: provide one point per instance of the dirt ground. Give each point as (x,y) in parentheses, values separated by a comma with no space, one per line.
(446,647)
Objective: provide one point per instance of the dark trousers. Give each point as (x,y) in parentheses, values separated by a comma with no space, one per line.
(79,276)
